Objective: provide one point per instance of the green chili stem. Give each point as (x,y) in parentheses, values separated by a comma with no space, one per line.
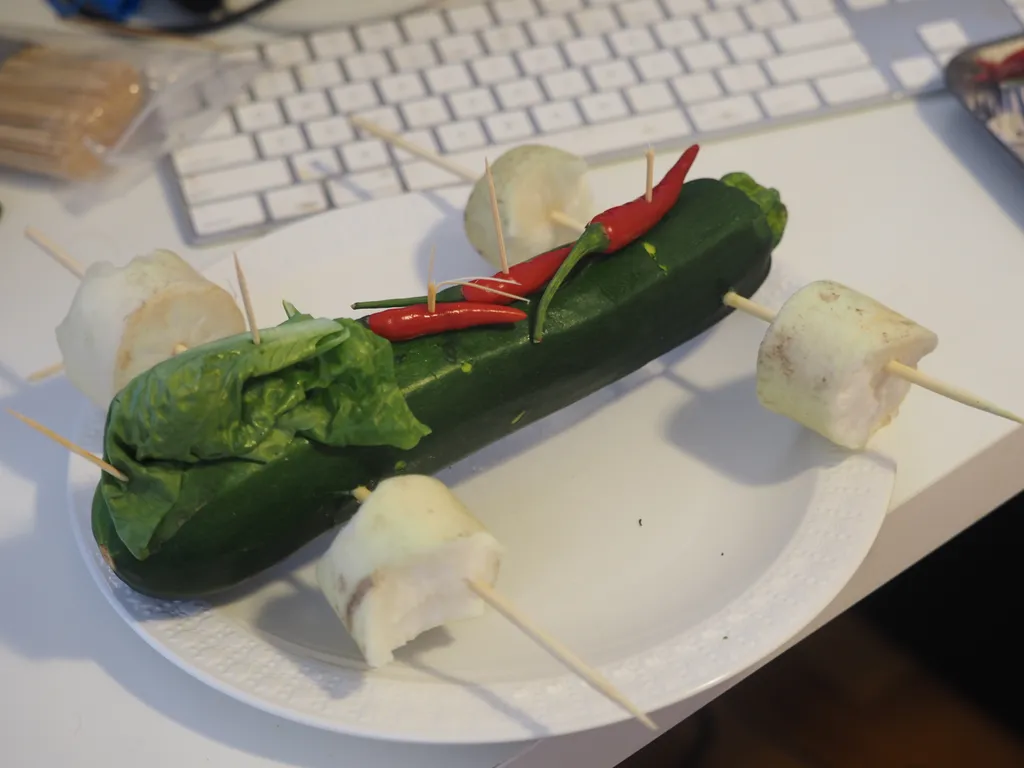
(593,240)
(448,294)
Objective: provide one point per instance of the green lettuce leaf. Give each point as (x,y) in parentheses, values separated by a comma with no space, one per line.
(767,198)
(237,403)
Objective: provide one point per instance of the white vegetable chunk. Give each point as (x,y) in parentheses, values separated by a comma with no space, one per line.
(124,320)
(530,182)
(398,568)
(823,362)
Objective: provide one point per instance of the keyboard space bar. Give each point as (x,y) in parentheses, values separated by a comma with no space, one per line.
(593,142)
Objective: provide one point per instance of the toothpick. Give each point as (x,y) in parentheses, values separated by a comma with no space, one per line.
(55,252)
(482,287)
(497,217)
(649,194)
(559,651)
(45,373)
(178,348)
(431,285)
(466,174)
(247,302)
(894,367)
(78,450)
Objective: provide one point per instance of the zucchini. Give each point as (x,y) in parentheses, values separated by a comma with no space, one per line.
(614,314)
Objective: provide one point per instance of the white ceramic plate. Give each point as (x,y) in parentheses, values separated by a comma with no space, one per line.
(667,528)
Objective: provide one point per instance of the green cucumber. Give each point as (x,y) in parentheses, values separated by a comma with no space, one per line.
(613,315)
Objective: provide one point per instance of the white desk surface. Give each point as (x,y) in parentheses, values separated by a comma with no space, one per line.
(911,203)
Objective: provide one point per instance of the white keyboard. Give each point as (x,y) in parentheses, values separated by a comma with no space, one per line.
(601,78)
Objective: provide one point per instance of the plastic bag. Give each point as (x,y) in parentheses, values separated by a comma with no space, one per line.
(95,111)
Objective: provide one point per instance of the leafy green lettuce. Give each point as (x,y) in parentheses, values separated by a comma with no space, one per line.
(767,198)
(231,401)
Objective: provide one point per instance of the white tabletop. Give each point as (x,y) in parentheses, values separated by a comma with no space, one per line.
(911,203)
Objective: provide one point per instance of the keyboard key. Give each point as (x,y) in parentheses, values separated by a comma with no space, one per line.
(378,36)
(319,75)
(451,77)
(684,7)
(258,115)
(722,23)
(306,106)
(333,45)
(767,13)
(367,66)
(316,164)
(628,42)
(456,137)
(677,32)
(410,58)
(562,85)
(227,215)
(595,21)
(943,35)
(640,13)
(240,180)
(350,98)
(519,93)
(587,51)
(386,117)
(425,25)
(494,69)
(612,75)
(658,66)
(368,153)
(602,107)
(425,112)
(330,132)
(423,175)
(650,96)
(509,11)
(297,201)
(742,78)
(824,61)
(474,103)
(281,141)
(470,18)
(853,86)
(247,54)
(863,5)
(212,155)
(377,184)
(917,72)
(808,9)
(221,128)
(549,30)
(286,53)
(341,193)
(459,48)
(753,45)
(509,126)
(401,87)
(696,88)
(536,61)
(504,39)
(273,85)
(725,113)
(704,56)
(423,139)
(786,100)
(812,34)
(560,6)
(557,116)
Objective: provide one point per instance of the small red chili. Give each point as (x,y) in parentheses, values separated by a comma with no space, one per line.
(1009,67)
(529,276)
(404,323)
(617,227)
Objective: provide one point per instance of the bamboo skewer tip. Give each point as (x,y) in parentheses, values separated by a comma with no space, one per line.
(55,252)
(110,469)
(247,301)
(496,215)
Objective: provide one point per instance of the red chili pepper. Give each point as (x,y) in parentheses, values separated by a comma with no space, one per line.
(1009,67)
(529,275)
(404,323)
(617,227)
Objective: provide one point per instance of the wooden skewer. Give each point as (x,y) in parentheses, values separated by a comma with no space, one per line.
(905,372)
(431,285)
(57,253)
(247,302)
(497,217)
(78,450)
(494,599)
(649,194)
(455,169)
(559,651)
(45,373)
